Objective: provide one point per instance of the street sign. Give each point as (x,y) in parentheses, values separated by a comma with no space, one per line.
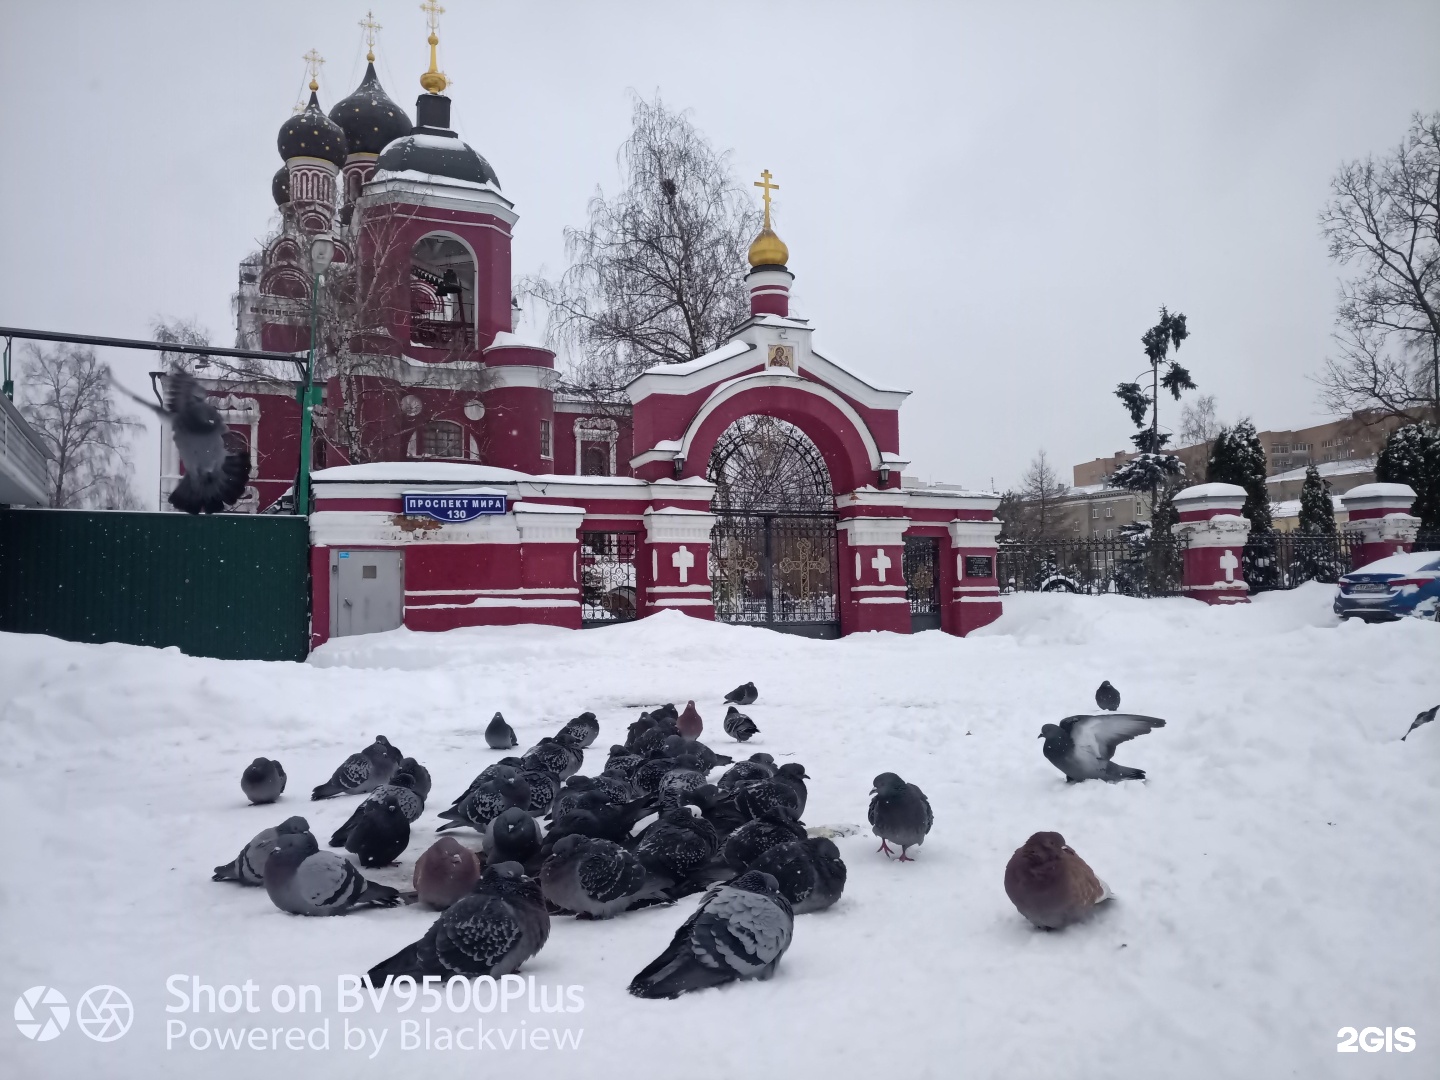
(453,507)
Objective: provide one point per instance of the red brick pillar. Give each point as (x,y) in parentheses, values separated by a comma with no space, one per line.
(974,597)
(872,575)
(674,562)
(1210,517)
(1380,513)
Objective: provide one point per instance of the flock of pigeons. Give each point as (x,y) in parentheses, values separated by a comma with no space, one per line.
(557,842)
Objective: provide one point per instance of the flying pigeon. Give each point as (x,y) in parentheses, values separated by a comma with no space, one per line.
(304,880)
(899,812)
(550,755)
(400,790)
(810,872)
(1424,718)
(486,802)
(739,931)
(362,772)
(580,732)
(445,872)
(249,866)
(381,834)
(744,694)
(597,878)
(739,726)
(500,735)
(512,836)
(1081,746)
(1107,697)
(1051,885)
(263,780)
(491,931)
(754,838)
(757,767)
(215,476)
(689,724)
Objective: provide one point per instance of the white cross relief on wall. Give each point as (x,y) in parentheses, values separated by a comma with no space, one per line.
(881,563)
(1229,564)
(683,560)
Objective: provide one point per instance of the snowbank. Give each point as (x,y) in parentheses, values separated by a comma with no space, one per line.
(1275,877)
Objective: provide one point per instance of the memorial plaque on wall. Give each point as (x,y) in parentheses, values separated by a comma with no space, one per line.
(982,566)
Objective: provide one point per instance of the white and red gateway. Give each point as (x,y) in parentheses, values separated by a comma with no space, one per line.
(528,506)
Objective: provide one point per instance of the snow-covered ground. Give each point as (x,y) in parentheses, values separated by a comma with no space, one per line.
(1276,877)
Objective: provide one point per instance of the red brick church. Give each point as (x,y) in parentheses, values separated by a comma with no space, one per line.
(455,485)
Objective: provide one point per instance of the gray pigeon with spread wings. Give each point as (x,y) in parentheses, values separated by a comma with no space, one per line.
(1424,718)
(740,931)
(1081,746)
(304,880)
(215,475)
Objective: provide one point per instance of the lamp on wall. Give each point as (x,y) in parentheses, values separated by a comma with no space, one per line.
(884,475)
(679,467)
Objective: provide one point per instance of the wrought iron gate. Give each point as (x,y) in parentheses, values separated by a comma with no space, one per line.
(922,582)
(607,577)
(773,549)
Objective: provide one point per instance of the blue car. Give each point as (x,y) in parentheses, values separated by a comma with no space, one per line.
(1404,584)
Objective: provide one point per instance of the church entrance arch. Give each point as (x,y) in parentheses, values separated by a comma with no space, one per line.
(773,547)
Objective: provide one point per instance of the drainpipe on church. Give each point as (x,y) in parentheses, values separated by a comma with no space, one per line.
(322,251)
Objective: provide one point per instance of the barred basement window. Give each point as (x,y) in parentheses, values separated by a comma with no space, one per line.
(545,438)
(442,439)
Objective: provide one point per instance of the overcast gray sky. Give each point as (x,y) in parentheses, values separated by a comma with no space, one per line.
(984,203)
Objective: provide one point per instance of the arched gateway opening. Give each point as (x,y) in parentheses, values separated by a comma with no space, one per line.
(773,547)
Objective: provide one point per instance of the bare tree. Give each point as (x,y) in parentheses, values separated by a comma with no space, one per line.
(1199,422)
(1383,221)
(1040,494)
(656,274)
(71,405)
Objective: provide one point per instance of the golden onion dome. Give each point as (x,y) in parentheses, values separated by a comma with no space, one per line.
(767,249)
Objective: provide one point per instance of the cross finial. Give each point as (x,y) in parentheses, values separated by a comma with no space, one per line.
(434,80)
(433,11)
(313,63)
(766,187)
(370,28)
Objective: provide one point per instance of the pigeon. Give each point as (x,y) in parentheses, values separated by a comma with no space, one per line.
(744,694)
(793,774)
(646,779)
(401,790)
(739,726)
(676,784)
(362,772)
(380,835)
(608,822)
(740,931)
(899,812)
(304,880)
(215,476)
(718,808)
(500,735)
(1107,697)
(544,790)
(249,866)
(597,878)
(445,872)
(647,733)
(550,755)
(1051,885)
(678,746)
(758,767)
(678,843)
(754,838)
(757,799)
(512,836)
(486,802)
(1080,746)
(666,713)
(607,790)
(263,780)
(621,763)
(491,931)
(580,732)
(503,769)
(810,872)
(418,773)
(689,724)
(1424,718)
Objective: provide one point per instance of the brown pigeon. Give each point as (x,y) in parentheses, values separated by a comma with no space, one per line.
(447,871)
(1051,885)
(689,723)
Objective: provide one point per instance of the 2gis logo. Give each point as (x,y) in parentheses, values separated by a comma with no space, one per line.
(1373,1039)
(105,1013)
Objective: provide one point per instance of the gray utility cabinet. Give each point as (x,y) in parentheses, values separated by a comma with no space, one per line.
(367,591)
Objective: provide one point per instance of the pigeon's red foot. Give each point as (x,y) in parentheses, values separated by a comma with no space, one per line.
(885,848)
(904,857)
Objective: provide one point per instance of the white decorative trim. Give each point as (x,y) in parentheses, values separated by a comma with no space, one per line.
(677,588)
(1220,531)
(884,600)
(672,525)
(595,429)
(557,591)
(348,528)
(877,588)
(495,602)
(974,534)
(680,601)
(1392,528)
(532,377)
(874,531)
(994,590)
(238,412)
(1219,586)
(980,599)
(540,523)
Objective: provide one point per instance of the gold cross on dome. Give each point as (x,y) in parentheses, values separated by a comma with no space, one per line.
(766,187)
(433,11)
(370,28)
(313,63)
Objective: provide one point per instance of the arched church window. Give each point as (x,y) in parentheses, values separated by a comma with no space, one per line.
(442,439)
(596,461)
(442,314)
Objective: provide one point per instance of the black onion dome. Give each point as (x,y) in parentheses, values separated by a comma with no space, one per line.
(280,185)
(369,118)
(312,134)
(433,148)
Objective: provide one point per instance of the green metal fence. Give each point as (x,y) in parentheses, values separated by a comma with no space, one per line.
(231,586)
